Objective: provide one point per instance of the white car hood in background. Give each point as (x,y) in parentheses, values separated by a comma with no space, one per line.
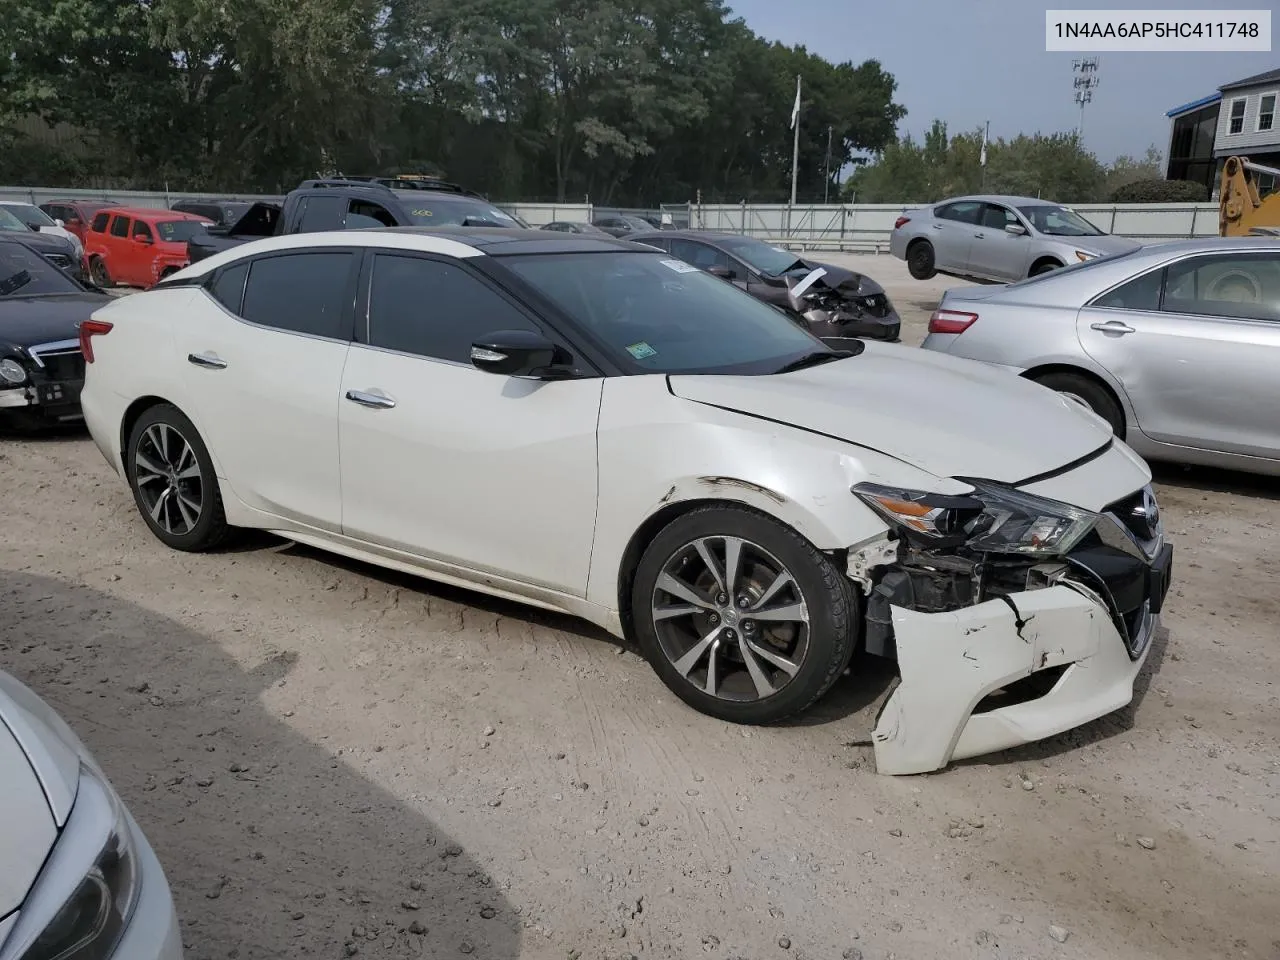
(27,830)
(946,415)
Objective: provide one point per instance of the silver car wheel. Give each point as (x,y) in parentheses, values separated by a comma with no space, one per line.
(730,618)
(168,477)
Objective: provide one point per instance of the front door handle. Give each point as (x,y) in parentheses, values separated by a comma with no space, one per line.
(212,361)
(937,226)
(1112,326)
(366,399)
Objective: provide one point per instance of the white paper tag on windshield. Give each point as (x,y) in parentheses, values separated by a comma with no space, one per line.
(679,266)
(808,282)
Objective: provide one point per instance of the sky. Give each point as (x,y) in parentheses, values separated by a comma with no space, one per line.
(970,61)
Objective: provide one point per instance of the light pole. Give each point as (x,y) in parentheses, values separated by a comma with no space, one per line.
(826,169)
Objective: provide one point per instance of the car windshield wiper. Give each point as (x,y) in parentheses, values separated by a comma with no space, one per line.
(813,359)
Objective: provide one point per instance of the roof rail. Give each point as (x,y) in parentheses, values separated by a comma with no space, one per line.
(330,182)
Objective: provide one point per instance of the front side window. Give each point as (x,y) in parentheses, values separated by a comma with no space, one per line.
(699,254)
(433,308)
(655,314)
(141,231)
(320,213)
(1237,285)
(301,293)
(362,213)
(997,217)
(100,222)
(32,216)
(23,272)
(1235,122)
(760,256)
(1058,221)
(120,227)
(11,223)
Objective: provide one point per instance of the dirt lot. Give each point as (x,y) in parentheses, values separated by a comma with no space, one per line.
(332,760)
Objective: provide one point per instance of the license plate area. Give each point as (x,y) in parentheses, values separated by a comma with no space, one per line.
(58,393)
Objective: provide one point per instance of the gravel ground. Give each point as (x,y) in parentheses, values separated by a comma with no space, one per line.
(332,760)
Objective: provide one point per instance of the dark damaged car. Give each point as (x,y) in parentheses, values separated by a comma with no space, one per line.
(831,302)
(41,366)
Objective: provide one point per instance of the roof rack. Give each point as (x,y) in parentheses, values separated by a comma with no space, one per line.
(414,181)
(330,182)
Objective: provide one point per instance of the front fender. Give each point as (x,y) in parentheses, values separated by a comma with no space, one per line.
(657,450)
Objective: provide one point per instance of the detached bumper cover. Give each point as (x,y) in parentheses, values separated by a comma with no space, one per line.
(950,662)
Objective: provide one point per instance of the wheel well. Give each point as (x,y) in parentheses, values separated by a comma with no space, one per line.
(916,242)
(1042,261)
(1035,373)
(654,525)
(131,415)
(168,270)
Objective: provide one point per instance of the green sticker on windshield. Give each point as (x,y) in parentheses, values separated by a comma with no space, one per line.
(641,351)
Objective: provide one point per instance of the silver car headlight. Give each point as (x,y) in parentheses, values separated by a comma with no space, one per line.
(88,888)
(991,519)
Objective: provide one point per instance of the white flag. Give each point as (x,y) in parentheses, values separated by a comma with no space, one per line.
(982,157)
(795,110)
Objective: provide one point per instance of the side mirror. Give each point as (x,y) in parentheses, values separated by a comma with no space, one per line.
(1016,229)
(59,221)
(724,273)
(73,222)
(519,353)
(143,239)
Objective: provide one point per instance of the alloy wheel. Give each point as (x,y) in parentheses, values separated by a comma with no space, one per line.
(731,619)
(168,478)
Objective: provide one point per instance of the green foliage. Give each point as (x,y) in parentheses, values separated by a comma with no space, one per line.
(1054,166)
(625,101)
(1160,191)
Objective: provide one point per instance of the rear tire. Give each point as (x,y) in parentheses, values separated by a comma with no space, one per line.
(920,259)
(1089,392)
(173,481)
(750,640)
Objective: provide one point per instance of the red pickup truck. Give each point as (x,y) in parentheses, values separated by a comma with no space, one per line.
(137,246)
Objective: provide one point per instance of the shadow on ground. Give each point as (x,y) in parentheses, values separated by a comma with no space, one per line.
(245,813)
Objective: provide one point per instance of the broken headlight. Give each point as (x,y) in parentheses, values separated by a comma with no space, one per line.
(991,519)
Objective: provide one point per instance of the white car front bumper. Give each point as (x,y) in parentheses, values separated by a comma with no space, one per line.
(950,662)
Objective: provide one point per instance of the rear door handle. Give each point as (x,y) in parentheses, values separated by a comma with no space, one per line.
(1111,326)
(212,361)
(366,399)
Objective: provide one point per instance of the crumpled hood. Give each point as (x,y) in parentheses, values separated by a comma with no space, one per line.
(948,416)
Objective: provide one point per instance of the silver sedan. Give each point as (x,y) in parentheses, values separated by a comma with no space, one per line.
(997,238)
(1176,345)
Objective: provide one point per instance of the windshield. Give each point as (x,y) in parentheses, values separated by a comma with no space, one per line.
(1056,221)
(659,315)
(24,272)
(9,222)
(457,211)
(1074,267)
(767,259)
(179,231)
(31,216)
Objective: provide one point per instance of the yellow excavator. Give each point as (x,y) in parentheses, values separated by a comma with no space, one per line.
(1242,212)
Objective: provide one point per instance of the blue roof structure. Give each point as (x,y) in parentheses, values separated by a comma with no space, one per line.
(1194,105)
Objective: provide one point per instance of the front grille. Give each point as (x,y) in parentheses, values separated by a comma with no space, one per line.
(60,361)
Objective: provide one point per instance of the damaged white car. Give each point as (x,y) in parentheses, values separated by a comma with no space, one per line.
(591,426)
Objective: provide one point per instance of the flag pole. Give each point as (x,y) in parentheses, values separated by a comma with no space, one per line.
(795,142)
(986,135)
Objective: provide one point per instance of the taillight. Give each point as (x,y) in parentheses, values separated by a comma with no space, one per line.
(88,330)
(951,321)
(900,221)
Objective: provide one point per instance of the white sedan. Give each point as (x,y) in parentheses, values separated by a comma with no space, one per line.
(590,426)
(78,880)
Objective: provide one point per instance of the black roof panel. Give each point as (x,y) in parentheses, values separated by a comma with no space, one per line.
(509,241)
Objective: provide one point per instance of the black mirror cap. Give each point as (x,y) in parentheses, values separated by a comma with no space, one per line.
(724,273)
(520,353)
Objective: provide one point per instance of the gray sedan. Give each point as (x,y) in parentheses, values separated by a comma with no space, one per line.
(1176,345)
(997,238)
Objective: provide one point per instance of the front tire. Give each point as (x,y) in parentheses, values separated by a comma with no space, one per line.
(1045,267)
(741,617)
(1088,392)
(173,481)
(920,260)
(99,274)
